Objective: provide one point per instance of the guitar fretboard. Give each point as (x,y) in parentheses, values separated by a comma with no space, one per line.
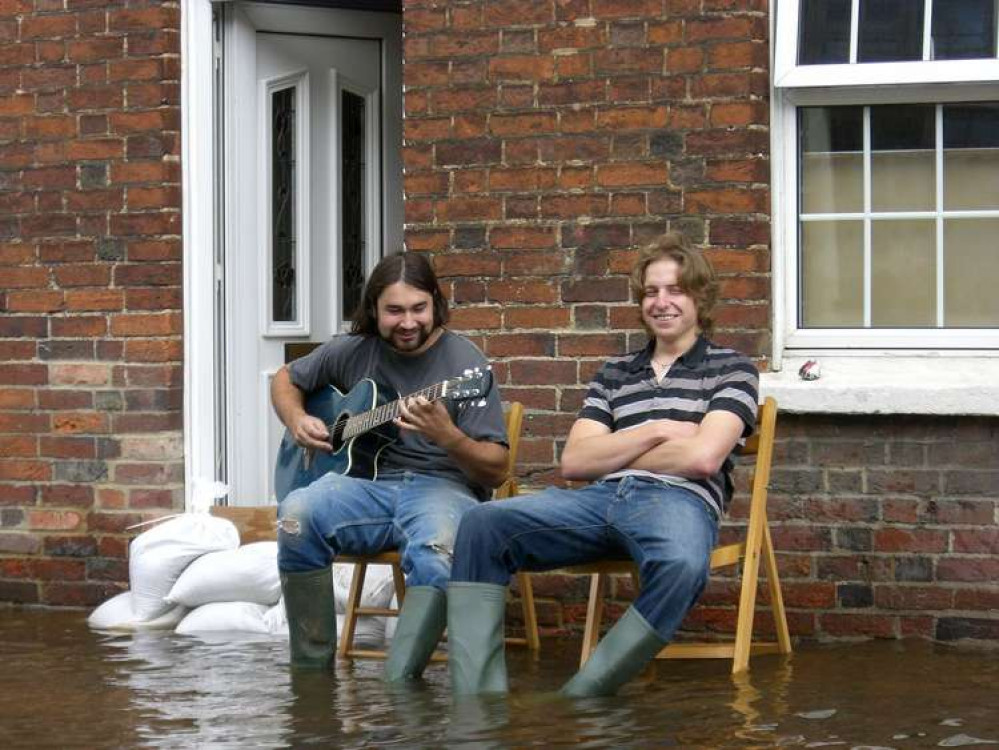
(361,423)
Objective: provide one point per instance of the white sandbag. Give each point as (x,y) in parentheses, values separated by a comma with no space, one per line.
(379,586)
(276,619)
(216,617)
(158,556)
(117,614)
(245,574)
(368,633)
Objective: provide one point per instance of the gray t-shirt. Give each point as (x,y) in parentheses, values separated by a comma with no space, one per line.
(346,359)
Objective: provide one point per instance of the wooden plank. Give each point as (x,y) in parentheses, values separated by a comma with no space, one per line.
(256,523)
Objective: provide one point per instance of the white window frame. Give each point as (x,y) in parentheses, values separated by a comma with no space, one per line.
(866,370)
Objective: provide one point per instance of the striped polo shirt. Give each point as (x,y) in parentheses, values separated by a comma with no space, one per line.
(625,394)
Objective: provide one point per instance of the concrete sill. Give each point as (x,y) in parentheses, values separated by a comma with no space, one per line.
(944,385)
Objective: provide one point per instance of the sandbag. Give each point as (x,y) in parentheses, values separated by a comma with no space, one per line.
(158,556)
(379,586)
(234,617)
(117,614)
(245,574)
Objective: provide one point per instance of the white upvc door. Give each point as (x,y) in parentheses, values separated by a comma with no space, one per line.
(312,136)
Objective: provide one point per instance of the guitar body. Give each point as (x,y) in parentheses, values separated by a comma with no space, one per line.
(358,457)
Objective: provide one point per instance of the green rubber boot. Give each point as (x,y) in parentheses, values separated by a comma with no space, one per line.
(421,623)
(622,654)
(476,656)
(308,600)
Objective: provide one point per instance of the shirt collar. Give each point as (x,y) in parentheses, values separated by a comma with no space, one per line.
(690,359)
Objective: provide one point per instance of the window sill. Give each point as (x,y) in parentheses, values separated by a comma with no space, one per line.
(944,385)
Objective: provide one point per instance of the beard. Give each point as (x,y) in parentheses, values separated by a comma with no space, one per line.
(401,344)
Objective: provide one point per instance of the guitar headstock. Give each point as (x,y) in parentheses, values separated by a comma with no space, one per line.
(471,384)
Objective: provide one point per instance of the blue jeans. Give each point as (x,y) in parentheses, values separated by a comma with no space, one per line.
(668,531)
(415,513)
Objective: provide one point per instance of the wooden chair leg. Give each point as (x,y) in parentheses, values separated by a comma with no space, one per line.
(530,613)
(400,583)
(747,603)
(776,597)
(594,616)
(353,603)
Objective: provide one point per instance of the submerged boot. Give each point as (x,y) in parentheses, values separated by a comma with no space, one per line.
(420,626)
(475,618)
(308,600)
(622,654)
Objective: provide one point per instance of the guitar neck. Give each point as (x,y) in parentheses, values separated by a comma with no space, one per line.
(361,423)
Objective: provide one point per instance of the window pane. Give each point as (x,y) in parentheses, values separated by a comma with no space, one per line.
(832,274)
(971,156)
(964,29)
(902,158)
(903,274)
(971,272)
(353,209)
(283,205)
(832,165)
(890,30)
(825,32)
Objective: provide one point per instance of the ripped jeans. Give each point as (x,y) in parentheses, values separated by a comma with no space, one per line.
(335,515)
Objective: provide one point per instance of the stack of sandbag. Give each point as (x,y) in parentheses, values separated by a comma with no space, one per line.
(190,573)
(157,557)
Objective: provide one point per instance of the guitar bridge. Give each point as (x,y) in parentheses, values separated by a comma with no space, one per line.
(307,458)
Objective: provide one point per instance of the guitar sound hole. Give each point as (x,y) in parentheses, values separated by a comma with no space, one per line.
(336,434)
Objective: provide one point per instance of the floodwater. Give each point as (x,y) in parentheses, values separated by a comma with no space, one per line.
(64,686)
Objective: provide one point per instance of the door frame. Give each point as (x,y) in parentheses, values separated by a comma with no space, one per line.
(203,195)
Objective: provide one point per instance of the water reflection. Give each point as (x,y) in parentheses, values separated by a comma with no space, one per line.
(65,687)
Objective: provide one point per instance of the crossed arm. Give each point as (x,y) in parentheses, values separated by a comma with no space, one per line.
(663,446)
(482,461)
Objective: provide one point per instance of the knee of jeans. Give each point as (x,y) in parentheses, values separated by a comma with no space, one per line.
(687,569)
(476,527)
(294,514)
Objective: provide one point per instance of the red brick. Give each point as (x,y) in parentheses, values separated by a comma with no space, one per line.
(617,60)
(632,118)
(475,318)
(520,345)
(536,317)
(590,345)
(92,300)
(466,264)
(513,13)
(153,350)
(542,371)
(522,68)
(522,291)
(86,423)
(617,175)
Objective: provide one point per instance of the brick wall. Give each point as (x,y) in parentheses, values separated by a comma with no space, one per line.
(545,140)
(90,299)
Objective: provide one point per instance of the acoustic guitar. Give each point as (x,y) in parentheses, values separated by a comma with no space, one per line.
(360,427)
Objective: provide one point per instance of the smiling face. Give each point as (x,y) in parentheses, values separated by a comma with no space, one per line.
(406,318)
(669,313)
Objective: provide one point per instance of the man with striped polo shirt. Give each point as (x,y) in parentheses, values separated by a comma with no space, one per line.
(656,436)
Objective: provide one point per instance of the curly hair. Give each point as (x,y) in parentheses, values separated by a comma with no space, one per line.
(696,278)
(410,268)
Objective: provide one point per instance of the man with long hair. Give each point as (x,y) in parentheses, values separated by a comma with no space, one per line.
(655,436)
(443,462)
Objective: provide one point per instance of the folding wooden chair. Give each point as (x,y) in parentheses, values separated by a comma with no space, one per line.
(756,546)
(346,649)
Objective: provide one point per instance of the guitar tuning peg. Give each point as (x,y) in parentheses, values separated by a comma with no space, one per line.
(482,402)
(466,372)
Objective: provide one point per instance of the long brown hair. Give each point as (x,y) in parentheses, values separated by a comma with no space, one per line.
(696,278)
(409,268)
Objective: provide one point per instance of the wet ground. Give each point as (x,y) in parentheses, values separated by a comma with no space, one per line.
(64,686)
